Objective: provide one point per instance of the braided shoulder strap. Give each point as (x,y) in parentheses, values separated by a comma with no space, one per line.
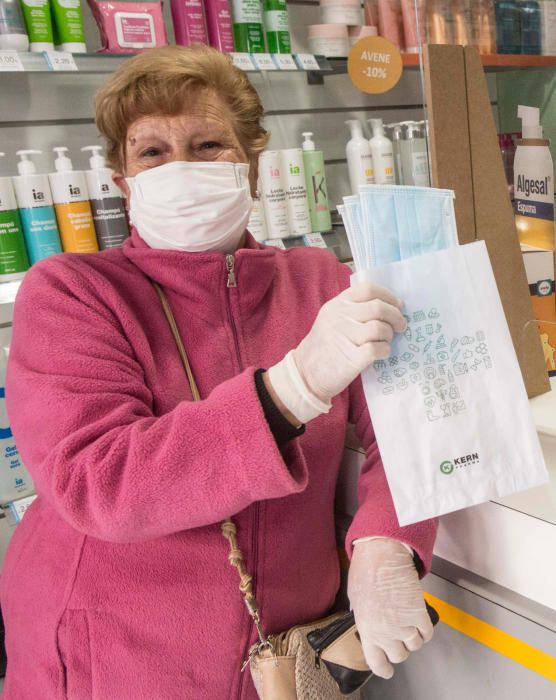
(228,526)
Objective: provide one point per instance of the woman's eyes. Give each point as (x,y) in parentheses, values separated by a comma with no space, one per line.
(208,145)
(150,153)
(154,152)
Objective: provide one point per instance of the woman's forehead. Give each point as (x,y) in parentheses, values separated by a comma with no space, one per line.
(190,121)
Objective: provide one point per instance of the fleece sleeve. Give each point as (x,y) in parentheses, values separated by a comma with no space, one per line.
(83,420)
(376,515)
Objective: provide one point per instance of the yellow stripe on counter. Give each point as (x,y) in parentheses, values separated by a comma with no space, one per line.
(502,642)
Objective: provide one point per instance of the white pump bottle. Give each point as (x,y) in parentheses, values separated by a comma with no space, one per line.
(383,155)
(359,158)
(107,203)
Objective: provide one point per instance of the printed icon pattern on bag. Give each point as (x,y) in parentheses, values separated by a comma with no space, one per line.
(427,359)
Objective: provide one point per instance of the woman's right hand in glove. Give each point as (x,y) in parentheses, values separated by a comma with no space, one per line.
(351,331)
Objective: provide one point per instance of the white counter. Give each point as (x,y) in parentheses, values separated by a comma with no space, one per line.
(512,542)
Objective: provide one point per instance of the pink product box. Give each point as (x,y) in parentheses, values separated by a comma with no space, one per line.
(129,27)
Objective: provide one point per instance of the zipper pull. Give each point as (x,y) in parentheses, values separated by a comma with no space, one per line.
(317,659)
(230,269)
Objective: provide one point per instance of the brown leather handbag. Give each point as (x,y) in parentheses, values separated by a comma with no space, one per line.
(321,660)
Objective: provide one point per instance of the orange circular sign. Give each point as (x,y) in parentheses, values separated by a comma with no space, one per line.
(375,65)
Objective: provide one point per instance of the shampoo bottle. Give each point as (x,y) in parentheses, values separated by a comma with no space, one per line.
(39,24)
(38,219)
(383,155)
(71,203)
(548,27)
(273,195)
(508,26)
(530,27)
(439,19)
(275,16)
(415,159)
(13,256)
(293,172)
(219,24)
(390,22)
(247,17)
(534,183)
(190,22)
(462,30)
(317,191)
(484,26)
(107,203)
(359,157)
(13,34)
(15,481)
(397,138)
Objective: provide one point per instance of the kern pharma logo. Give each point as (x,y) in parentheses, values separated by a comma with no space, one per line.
(448,466)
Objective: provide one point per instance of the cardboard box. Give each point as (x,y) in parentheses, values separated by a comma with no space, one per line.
(466,158)
(539,268)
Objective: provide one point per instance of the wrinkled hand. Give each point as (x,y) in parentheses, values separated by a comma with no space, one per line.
(388,604)
(351,331)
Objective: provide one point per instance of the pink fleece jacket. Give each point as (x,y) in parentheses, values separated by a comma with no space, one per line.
(116,584)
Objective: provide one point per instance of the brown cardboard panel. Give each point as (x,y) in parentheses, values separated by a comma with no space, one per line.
(446,97)
(494,223)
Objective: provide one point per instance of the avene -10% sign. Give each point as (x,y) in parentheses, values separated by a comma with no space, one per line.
(375,65)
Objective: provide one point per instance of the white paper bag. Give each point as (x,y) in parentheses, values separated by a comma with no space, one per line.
(449,406)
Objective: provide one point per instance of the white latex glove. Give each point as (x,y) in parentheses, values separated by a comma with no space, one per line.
(351,331)
(388,604)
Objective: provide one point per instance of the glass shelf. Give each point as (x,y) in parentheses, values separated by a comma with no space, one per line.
(99,63)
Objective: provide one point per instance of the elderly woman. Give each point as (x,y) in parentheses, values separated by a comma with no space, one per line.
(117,585)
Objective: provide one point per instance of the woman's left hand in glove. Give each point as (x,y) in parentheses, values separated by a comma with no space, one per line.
(388,604)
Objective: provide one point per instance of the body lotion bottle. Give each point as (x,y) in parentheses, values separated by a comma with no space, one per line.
(315,178)
(359,158)
(383,154)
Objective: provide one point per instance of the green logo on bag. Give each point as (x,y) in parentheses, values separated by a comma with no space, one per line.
(447,467)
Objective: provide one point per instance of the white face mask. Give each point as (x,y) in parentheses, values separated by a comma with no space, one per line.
(193,207)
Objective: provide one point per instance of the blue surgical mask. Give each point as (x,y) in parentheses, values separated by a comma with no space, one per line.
(426,220)
(380,222)
(351,216)
(398,223)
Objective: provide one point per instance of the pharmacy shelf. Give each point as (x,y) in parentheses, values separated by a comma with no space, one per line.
(494,62)
(99,63)
(491,62)
(95,63)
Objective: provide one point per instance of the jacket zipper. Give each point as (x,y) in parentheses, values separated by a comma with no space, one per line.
(231,283)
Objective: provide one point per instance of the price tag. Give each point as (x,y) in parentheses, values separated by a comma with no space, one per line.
(314,240)
(284,61)
(307,61)
(264,61)
(60,60)
(275,243)
(19,508)
(375,65)
(243,61)
(10,60)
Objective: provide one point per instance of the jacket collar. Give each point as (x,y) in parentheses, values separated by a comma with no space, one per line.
(201,278)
